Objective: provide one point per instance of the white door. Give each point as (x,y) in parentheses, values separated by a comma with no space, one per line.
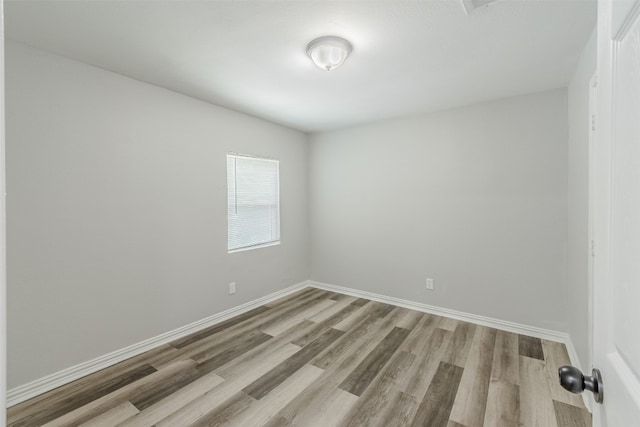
(616,340)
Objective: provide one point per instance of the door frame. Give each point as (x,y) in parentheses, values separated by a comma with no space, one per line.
(591,203)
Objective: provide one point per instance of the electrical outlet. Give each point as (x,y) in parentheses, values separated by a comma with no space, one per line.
(232,288)
(429,284)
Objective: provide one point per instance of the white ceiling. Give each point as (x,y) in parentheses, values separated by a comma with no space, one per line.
(409,57)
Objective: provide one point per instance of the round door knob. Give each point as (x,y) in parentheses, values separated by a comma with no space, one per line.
(572,379)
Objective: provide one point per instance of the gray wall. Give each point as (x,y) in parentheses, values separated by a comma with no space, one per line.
(578,201)
(116,211)
(474,197)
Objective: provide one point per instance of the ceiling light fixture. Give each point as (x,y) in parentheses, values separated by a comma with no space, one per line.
(329,52)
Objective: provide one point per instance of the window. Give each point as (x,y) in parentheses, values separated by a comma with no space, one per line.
(253,202)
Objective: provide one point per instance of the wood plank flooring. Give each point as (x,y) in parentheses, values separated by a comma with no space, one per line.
(318,358)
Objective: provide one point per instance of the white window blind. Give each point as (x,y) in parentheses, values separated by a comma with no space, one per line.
(253,202)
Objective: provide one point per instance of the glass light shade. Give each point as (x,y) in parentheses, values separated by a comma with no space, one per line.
(329,52)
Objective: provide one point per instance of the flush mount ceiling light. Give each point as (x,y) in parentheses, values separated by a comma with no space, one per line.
(329,52)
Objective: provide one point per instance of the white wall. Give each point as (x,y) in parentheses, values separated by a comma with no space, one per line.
(578,201)
(474,197)
(116,211)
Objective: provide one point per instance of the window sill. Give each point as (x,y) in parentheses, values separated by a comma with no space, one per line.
(249,248)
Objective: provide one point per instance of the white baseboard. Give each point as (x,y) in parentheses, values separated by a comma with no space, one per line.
(44,384)
(504,325)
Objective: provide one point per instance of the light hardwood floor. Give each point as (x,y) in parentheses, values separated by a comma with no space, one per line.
(318,358)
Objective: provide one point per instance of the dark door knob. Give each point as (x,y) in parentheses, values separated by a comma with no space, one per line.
(572,379)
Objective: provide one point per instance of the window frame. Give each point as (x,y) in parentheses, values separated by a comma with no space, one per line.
(278,239)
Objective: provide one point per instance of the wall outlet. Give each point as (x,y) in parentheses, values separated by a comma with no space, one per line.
(429,284)
(232,288)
